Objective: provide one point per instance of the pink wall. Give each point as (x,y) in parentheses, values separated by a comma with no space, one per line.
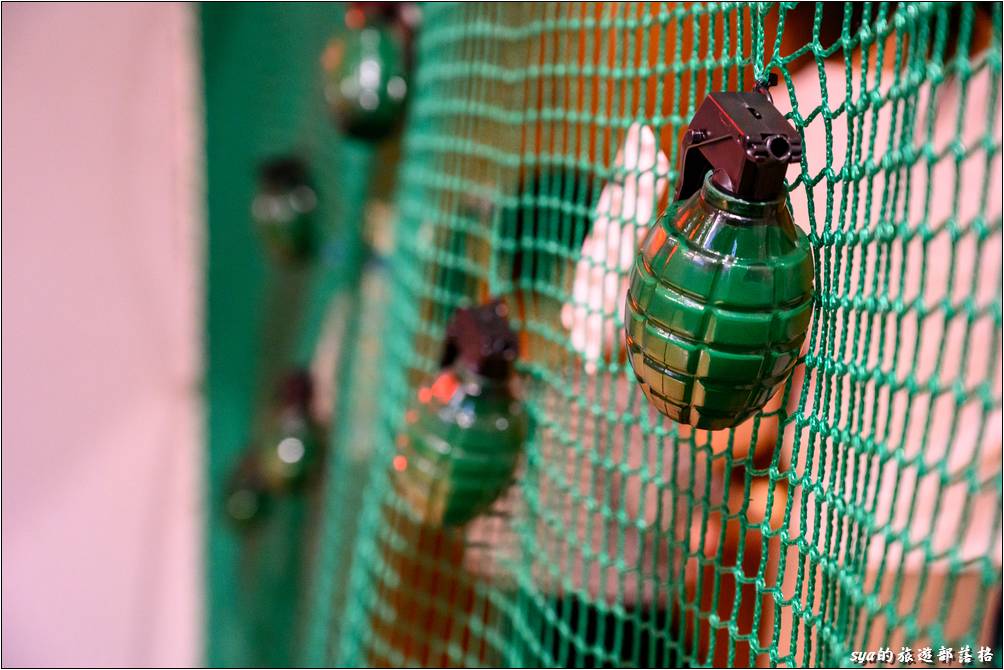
(101,296)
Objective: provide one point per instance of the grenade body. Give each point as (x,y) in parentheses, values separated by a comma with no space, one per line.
(718,307)
(366,83)
(290,455)
(283,211)
(283,462)
(248,499)
(460,447)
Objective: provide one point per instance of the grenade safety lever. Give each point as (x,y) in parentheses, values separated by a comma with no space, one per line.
(745,140)
(481,339)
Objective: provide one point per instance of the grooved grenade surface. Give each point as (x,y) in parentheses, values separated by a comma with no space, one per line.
(718,308)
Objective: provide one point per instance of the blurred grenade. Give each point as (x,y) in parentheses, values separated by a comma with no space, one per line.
(283,209)
(294,445)
(462,441)
(366,74)
(280,464)
(721,291)
(247,499)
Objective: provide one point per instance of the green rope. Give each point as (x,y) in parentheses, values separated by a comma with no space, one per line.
(861,509)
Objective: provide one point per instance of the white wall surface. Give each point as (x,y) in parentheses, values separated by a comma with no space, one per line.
(101,247)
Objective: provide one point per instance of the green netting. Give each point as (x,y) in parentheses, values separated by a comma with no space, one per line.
(861,509)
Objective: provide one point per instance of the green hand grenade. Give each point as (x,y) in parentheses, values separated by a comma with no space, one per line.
(462,441)
(721,291)
(283,462)
(283,209)
(294,445)
(366,73)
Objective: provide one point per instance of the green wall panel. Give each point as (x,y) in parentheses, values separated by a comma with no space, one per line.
(262,98)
